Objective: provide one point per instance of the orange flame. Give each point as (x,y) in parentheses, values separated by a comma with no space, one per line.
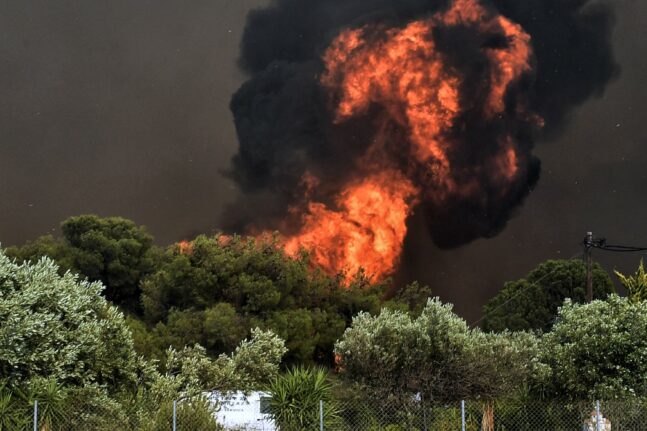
(402,70)
(366,231)
(185,247)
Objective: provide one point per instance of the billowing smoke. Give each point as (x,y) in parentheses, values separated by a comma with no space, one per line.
(359,112)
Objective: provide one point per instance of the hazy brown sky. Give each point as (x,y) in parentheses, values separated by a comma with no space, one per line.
(116,108)
(121,108)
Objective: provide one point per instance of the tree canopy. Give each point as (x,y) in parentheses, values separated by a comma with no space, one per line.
(435,354)
(596,350)
(212,290)
(531,303)
(60,327)
(112,250)
(223,312)
(59,332)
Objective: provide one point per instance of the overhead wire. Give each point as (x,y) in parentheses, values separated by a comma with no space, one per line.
(618,248)
(598,243)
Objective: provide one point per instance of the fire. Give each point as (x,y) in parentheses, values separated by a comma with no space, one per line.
(404,72)
(509,64)
(366,230)
(185,247)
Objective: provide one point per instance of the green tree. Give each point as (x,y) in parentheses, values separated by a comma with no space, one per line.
(112,250)
(213,289)
(297,328)
(636,284)
(63,343)
(596,350)
(531,303)
(223,327)
(56,249)
(59,327)
(414,297)
(435,354)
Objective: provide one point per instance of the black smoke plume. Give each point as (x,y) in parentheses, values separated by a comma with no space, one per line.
(285,126)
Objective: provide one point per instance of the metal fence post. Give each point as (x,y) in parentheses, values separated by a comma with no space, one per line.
(174,415)
(463,415)
(321,416)
(597,415)
(35,415)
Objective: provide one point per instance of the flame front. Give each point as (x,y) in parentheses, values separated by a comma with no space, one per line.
(404,72)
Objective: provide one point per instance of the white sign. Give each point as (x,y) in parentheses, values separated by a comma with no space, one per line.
(237,410)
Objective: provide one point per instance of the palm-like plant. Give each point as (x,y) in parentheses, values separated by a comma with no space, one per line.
(636,284)
(52,405)
(14,409)
(296,396)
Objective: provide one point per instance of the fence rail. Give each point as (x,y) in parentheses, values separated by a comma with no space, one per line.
(181,415)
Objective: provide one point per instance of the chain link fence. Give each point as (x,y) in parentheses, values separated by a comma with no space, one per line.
(196,413)
(514,415)
(203,414)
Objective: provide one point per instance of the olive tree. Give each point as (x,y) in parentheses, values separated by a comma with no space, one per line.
(435,354)
(60,327)
(596,350)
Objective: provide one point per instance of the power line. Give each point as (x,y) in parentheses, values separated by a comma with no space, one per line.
(601,244)
(589,243)
(520,291)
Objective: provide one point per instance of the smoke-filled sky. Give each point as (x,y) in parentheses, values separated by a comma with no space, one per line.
(122,108)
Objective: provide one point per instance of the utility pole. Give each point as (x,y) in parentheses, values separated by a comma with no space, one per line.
(588,247)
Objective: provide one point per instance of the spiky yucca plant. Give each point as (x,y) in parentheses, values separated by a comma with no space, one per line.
(636,283)
(14,408)
(296,395)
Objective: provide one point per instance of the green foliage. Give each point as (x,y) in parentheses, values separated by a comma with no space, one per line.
(56,249)
(498,365)
(296,394)
(14,408)
(414,296)
(59,407)
(58,327)
(529,414)
(62,343)
(435,354)
(252,364)
(214,290)
(531,303)
(194,413)
(91,408)
(51,401)
(449,419)
(636,284)
(111,250)
(190,371)
(388,351)
(223,327)
(144,340)
(596,351)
